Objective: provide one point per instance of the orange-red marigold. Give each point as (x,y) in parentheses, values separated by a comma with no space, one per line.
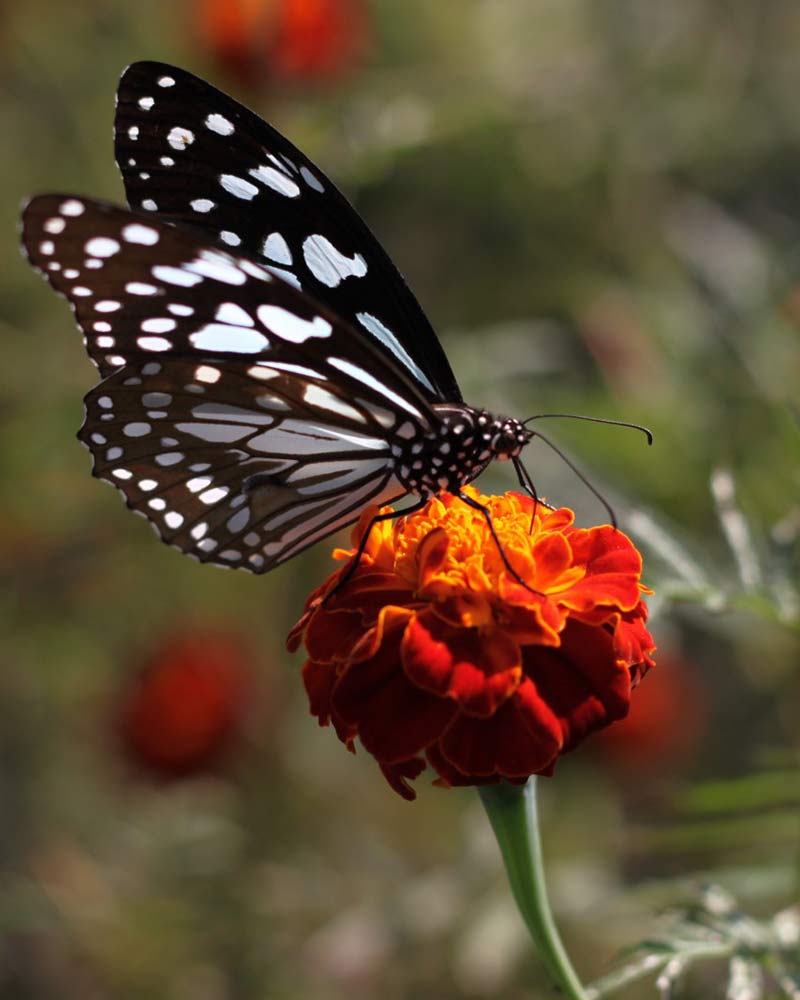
(433,653)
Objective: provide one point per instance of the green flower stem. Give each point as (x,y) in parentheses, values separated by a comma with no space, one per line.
(514,816)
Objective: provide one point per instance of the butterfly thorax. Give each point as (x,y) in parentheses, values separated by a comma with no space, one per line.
(455,450)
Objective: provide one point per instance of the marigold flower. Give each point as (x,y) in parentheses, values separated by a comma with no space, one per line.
(433,653)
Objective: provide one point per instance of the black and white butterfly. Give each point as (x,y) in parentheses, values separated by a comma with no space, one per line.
(266,371)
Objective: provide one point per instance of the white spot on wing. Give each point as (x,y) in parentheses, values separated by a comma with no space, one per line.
(374,326)
(179,138)
(211,264)
(154,343)
(288,276)
(202,204)
(158,325)
(175,275)
(207,374)
(302,437)
(290,327)
(230,238)
(238,186)
(166,81)
(369,380)
(276,248)
(136,430)
(238,521)
(140,288)
(330,266)
(149,205)
(229,312)
(227,412)
(316,395)
(310,179)
(221,337)
(214,495)
(72,207)
(101,246)
(216,433)
(145,103)
(156,399)
(137,233)
(219,124)
(276,180)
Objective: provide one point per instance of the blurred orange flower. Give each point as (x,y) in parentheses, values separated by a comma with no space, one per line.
(294,40)
(433,653)
(187,705)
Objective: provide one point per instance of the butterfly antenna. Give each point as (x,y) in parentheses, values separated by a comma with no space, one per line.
(594,420)
(592,489)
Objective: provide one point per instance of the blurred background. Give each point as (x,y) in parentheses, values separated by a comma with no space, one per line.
(597,203)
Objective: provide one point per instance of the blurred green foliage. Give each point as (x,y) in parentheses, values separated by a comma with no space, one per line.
(598,204)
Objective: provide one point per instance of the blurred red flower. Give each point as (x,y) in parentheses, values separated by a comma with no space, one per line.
(293,40)
(187,705)
(665,725)
(433,648)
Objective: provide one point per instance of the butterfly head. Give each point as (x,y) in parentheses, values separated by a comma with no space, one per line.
(507,438)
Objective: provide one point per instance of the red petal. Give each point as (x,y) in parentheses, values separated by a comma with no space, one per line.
(398,776)
(319,679)
(632,642)
(394,719)
(521,738)
(477,668)
(582,681)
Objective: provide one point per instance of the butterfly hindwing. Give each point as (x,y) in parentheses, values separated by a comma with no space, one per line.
(232,467)
(192,155)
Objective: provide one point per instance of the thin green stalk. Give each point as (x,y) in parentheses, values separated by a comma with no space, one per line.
(513,813)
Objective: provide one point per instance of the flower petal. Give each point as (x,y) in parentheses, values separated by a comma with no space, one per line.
(583,682)
(520,739)
(395,720)
(478,668)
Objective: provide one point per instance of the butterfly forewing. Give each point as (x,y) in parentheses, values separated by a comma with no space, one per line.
(140,287)
(192,155)
(232,467)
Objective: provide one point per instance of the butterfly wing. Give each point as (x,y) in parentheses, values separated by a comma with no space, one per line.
(231,467)
(193,155)
(245,420)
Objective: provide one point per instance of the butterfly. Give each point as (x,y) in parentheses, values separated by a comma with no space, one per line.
(266,372)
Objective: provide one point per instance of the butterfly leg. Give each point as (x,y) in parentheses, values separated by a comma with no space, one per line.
(525,481)
(391,515)
(487,514)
